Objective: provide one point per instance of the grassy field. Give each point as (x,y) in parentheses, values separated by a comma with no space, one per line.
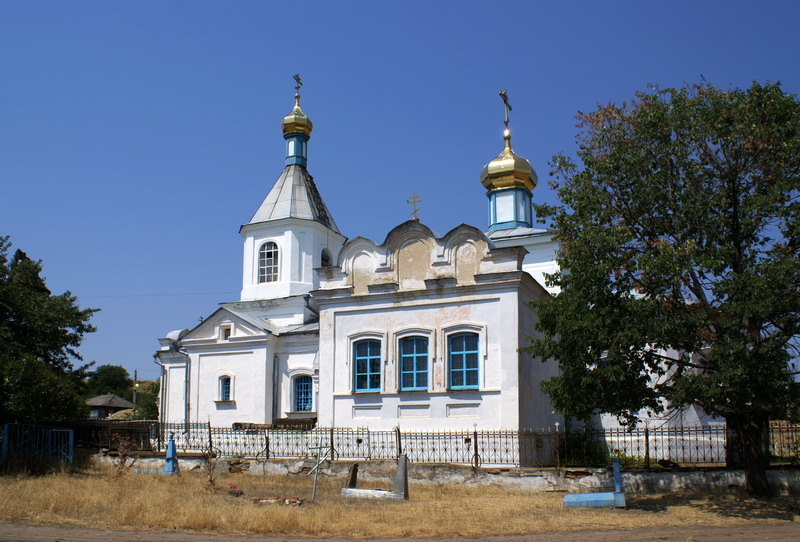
(96,498)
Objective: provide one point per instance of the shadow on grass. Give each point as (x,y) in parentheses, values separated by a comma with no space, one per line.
(729,506)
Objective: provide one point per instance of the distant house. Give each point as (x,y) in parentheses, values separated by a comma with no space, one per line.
(103,406)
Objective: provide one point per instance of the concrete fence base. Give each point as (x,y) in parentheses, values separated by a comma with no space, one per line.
(700,480)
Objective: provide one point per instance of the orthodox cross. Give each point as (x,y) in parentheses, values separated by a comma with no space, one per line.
(299,84)
(506,107)
(413,201)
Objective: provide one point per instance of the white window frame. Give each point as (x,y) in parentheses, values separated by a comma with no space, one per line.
(277,264)
(231,396)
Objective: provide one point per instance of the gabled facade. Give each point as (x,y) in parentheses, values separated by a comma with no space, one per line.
(424,332)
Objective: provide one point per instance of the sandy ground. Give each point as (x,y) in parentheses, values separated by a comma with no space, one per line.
(780,532)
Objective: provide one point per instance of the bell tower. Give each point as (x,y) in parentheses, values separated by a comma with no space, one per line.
(292,232)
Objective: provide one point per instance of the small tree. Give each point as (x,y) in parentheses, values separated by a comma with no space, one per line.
(147,402)
(39,336)
(680,231)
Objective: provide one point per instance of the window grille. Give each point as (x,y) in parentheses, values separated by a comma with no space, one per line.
(463,361)
(268,262)
(413,363)
(367,358)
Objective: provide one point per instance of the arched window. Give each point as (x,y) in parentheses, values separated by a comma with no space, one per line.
(302,394)
(325,259)
(367,365)
(413,363)
(225,389)
(268,262)
(462,355)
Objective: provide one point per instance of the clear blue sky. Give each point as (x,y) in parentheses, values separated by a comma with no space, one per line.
(136,137)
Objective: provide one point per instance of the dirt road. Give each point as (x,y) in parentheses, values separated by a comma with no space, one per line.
(779,532)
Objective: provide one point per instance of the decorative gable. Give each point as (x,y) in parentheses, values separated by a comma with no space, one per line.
(413,258)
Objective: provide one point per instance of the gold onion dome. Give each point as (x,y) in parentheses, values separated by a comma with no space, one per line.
(296,120)
(508,170)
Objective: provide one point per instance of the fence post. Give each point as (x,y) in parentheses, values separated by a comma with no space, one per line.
(558,451)
(397,439)
(4,450)
(646,447)
(210,442)
(369,444)
(476,460)
(331,447)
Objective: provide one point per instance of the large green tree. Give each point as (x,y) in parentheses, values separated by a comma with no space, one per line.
(107,379)
(39,336)
(679,226)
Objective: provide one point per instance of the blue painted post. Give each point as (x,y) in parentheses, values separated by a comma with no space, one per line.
(617,477)
(4,450)
(171,458)
(600,500)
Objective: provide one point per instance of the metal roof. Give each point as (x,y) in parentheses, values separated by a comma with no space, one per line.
(294,195)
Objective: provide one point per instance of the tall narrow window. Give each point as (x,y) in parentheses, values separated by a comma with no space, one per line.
(225,388)
(325,258)
(462,353)
(268,262)
(414,363)
(367,362)
(302,394)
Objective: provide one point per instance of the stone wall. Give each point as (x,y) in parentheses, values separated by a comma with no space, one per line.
(784,481)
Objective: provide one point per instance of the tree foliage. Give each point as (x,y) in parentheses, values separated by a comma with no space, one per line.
(107,379)
(39,336)
(147,402)
(680,229)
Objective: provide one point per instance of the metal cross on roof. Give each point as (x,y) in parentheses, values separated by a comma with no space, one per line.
(299,83)
(506,106)
(413,201)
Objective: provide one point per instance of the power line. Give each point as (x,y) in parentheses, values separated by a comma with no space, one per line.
(152,295)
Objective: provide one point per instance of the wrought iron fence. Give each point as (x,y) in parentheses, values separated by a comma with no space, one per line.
(697,445)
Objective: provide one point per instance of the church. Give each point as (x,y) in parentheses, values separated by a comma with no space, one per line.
(419,330)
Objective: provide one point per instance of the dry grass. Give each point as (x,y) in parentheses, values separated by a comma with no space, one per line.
(152,502)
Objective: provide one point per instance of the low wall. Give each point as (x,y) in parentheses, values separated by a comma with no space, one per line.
(699,480)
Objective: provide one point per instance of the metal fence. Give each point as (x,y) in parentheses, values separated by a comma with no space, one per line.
(32,447)
(700,445)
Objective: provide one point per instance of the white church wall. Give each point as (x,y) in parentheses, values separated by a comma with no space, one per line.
(300,243)
(248,368)
(295,355)
(492,406)
(536,410)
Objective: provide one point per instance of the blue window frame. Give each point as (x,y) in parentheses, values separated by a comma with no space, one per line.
(462,353)
(414,363)
(367,364)
(224,388)
(302,394)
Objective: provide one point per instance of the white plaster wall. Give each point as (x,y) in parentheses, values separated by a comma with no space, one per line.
(493,406)
(541,256)
(536,410)
(250,371)
(174,387)
(296,356)
(300,243)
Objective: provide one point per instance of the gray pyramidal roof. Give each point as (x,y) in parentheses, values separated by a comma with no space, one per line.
(294,195)
(109,400)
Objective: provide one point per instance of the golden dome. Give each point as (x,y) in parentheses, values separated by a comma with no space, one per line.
(296,120)
(508,170)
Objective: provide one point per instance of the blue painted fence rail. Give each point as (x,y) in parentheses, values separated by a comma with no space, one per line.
(28,446)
